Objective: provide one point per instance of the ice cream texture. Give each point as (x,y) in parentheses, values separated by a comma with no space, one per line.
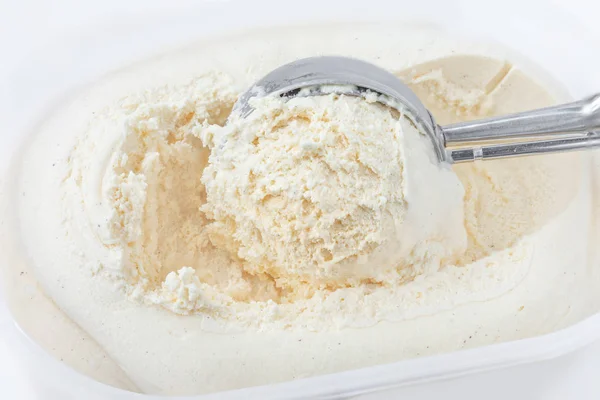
(282,214)
(319,193)
(316,235)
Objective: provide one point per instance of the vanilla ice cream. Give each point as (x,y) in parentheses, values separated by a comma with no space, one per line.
(329,192)
(193,251)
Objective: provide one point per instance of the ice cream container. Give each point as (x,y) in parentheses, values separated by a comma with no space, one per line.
(76,54)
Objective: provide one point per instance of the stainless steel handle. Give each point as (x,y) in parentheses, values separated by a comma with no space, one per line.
(572,143)
(580,116)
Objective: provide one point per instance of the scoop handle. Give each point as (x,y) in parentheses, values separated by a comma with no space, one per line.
(577,117)
(571,124)
(587,141)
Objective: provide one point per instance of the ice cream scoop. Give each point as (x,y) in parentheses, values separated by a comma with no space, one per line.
(563,128)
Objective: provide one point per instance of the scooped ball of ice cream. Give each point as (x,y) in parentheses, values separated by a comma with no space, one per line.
(330,191)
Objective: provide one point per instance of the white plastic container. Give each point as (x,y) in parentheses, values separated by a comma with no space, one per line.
(547,35)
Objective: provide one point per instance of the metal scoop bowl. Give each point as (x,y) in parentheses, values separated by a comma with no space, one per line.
(564,127)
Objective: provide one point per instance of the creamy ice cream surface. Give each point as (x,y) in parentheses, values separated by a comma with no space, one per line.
(195,251)
(320,193)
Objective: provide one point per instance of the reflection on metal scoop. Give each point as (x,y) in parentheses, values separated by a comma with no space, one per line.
(564,127)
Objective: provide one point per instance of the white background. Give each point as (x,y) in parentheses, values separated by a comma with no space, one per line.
(576,376)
